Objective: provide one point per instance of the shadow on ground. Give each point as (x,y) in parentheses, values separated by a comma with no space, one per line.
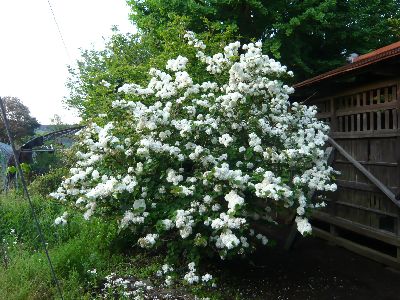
(313,269)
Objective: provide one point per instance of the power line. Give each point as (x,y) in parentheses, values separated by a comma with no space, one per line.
(59,30)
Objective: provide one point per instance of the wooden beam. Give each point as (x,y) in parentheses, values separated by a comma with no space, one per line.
(362,250)
(366,134)
(362,186)
(367,108)
(384,236)
(366,173)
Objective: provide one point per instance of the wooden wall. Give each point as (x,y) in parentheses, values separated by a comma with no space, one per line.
(365,122)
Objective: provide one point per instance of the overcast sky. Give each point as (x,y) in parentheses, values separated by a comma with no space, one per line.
(33,60)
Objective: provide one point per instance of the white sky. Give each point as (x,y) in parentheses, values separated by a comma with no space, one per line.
(33,61)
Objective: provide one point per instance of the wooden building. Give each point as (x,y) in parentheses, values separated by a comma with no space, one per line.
(361,102)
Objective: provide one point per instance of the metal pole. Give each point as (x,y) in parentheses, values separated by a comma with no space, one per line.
(36,220)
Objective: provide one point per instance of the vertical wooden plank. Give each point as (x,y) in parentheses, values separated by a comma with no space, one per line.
(340,124)
(352,119)
(397,148)
(358,100)
(358,122)
(394,112)
(365,127)
(378,96)
(398,228)
(387,119)
(393,96)
(334,125)
(346,123)
(364,98)
(386,99)
(398,224)
(398,254)
(371,120)
(398,118)
(378,120)
(371,97)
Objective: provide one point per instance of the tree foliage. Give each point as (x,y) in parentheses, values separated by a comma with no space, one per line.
(127,58)
(22,124)
(309,37)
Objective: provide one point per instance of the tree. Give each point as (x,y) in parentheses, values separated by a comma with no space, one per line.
(127,58)
(22,124)
(310,37)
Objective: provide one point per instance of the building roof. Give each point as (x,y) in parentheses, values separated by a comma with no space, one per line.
(362,61)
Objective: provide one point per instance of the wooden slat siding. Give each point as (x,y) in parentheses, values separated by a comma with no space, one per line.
(398,255)
(386,99)
(384,150)
(388,207)
(378,120)
(378,96)
(373,163)
(323,115)
(387,119)
(374,202)
(362,186)
(380,235)
(398,119)
(397,111)
(331,155)
(368,134)
(368,108)
(340,124)
(371,97)
(364,88)
(362,169)
(371,121)
(334,125)
(357,200)
(374,208)
(365,125)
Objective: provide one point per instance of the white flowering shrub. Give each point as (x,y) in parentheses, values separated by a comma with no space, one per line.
(189,164)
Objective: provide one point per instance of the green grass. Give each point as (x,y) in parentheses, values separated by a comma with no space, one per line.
(74,249)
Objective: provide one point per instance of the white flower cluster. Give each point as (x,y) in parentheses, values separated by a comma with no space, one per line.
(62,220)
(148,241)
(191,277)
(181,161)
(125,288)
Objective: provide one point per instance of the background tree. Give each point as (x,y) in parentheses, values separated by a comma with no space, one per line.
(128,57)
(310,37)
(22,124)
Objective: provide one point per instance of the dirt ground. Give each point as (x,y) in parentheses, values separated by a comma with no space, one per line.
(313,269)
